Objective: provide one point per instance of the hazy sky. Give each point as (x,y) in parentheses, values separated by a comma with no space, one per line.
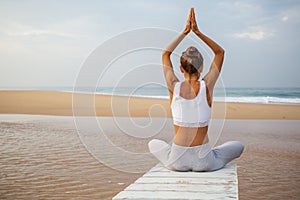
(45,43)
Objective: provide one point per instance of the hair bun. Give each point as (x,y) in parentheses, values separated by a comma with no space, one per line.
(191,60)
(192,52)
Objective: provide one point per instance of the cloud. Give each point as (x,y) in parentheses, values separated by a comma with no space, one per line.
(41,32)
(65,28)
(17,29)
(246,7)
(255,33)
(291,15)
(284,18)
(241,10)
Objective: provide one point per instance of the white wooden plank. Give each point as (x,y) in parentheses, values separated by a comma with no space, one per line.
(178,180)
(182,187)
(161,183)
(190,174)
(143,195)
(160,168)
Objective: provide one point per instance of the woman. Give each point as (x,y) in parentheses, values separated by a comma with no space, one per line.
(191,102)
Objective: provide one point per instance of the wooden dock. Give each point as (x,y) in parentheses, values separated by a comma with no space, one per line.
(161,183)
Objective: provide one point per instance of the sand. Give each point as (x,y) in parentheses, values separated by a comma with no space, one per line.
(60,103)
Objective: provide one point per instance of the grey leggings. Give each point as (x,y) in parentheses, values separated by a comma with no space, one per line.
(195,158)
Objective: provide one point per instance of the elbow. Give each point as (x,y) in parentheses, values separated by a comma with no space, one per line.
(220,51)
(220,54)
(166,53)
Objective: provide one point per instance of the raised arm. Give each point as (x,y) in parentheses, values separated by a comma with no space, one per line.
(216,66)
(170,76)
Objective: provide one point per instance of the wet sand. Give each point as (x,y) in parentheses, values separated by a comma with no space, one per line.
(269,166)
(42,157)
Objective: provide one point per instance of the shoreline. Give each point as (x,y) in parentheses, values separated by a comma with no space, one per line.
(156,97)
(60,103)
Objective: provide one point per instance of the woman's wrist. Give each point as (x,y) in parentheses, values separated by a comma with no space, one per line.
(197,32)
(184,33)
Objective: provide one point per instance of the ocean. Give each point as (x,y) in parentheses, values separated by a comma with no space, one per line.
(244,95)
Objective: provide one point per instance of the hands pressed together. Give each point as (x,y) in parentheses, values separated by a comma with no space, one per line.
(216,65)
(191,23)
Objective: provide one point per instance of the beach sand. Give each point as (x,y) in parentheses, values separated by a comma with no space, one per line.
(60,103)
(49,154)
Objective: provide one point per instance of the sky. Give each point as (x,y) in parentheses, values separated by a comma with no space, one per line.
(47,43)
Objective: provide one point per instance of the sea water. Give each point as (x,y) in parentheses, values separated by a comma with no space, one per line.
(289,95)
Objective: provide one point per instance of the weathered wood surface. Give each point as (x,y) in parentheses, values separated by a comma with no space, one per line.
(161,183)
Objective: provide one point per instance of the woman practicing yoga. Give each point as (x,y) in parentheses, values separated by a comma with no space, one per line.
(191,102)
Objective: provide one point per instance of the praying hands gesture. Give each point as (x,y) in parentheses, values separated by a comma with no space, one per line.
(211,77)
(191,23)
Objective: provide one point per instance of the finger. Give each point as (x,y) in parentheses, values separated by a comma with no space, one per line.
(194,18)
(190,15)
(193,14)
(189,20)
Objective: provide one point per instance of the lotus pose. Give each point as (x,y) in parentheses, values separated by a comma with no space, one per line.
(191,102)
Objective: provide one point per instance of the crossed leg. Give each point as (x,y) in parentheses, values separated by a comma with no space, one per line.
(160,149)
(223,154)
(216,159)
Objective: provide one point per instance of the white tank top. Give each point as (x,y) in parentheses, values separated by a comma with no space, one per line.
(190,112)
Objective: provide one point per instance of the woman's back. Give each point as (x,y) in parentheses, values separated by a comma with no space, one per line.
(191,113)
